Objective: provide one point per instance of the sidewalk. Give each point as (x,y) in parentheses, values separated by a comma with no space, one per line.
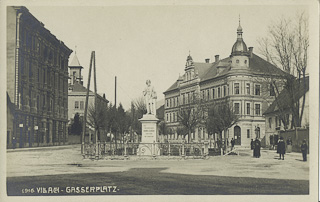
(68,160)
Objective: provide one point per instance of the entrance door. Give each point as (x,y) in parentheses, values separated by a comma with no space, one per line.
(237,135)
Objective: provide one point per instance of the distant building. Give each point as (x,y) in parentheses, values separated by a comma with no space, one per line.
(280,109)
(239,79)
(77,92)
(37,82)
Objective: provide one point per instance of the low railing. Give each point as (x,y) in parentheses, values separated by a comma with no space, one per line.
(104,149)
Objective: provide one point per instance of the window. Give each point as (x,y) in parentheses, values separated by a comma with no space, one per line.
(208,93)
(170,103)
(248,88)
(167,103)
(257,92)
(212,93)
(272,93)
(248,108)
(174,102)
(236,89)
(218,92)
(245,61)
(270,120)
(76,104)
(236,108)
(224,90)
(81,104)
(183,99)
(237,61)
(258,109)
(276,121)
(248,133)
(167,117)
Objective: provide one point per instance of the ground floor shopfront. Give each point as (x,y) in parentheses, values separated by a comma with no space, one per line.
(242,133)
(32,131)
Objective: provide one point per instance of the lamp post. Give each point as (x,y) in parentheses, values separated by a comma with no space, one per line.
(21,130)
(36,133)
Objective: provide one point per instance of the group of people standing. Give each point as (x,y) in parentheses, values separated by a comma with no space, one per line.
(281,148)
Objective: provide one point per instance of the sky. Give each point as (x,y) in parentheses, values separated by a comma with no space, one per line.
(136,43)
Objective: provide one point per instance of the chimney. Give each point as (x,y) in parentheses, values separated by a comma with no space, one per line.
(207,60)
(216,58)
(250,51)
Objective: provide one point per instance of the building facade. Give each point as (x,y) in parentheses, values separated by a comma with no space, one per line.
(37,82)
(77,92)
(280,109)
(240,79)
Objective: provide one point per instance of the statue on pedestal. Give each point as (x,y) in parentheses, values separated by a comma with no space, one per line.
(150,97)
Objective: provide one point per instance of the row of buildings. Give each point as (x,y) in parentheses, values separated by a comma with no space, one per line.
(41,95)
(44,93)
(244,80)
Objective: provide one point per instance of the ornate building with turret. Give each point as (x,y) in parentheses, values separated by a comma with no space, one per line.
(241,79)
(37,82)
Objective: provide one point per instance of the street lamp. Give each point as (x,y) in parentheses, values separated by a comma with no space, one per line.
(20,139)
(36,131)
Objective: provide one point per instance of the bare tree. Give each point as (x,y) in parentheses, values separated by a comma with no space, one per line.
(97,116)
(191,115)
(286,46)
(220,117)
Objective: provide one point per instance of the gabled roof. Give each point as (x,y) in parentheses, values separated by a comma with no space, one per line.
(77,87)
(282,99)
(207,71)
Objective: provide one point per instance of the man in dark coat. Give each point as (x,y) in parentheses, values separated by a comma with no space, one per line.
(256,150)
(232,144)
(304,150)
(281,148)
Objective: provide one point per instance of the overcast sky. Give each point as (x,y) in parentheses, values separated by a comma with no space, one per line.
(136,43)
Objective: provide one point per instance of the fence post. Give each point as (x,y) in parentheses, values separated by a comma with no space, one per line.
(125,149)
(153,149)
(169,149)
(206,148)
(182,150)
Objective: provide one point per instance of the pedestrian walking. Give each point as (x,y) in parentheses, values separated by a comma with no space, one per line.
(252,144)
(232,144)
(281,150)
(256,149)
(304,150)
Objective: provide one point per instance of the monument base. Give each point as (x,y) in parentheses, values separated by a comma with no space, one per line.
(147,145)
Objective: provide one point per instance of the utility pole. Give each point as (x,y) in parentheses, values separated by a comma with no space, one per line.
(115,91)
(86,107)
(92,61)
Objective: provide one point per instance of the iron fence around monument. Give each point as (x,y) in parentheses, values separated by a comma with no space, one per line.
(156,149)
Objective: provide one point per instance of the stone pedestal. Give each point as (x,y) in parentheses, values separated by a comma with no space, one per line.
(148,142)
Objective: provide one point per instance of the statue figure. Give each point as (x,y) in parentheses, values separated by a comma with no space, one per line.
(150,97)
